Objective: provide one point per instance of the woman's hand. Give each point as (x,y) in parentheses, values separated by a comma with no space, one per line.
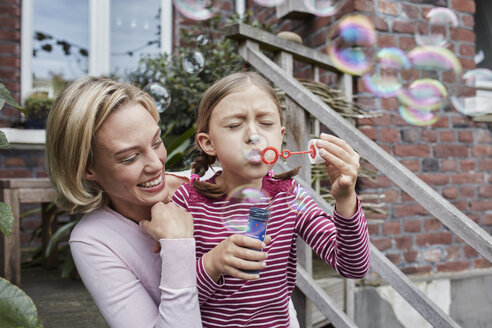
(168,221)
(232,255)
(342,166)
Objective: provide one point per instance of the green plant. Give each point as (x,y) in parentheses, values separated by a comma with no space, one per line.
(37,107)
(16,308)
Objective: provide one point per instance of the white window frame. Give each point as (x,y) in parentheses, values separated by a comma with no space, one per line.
(99,38)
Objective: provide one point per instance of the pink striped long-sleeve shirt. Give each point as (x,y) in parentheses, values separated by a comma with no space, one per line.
(339,241)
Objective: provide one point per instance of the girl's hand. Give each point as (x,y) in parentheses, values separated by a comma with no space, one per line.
(342,166)
(168,221)
(231,256)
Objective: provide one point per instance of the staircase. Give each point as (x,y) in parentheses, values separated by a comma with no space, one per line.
(300,105)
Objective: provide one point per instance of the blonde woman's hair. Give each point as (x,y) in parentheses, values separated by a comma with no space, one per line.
(219,90)
(76,115)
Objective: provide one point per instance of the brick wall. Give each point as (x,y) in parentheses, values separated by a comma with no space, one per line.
(10,27)
(453,156)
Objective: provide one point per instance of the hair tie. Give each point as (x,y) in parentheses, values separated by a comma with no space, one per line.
(270,173)
(194,177)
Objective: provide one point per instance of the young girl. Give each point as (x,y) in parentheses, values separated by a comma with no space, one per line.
(237,118)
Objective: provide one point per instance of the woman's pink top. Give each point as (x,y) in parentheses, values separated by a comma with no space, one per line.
(131,285)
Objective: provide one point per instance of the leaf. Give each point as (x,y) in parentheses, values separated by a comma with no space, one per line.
(6,97)
(57,235)
(3,140)
(6,219)
(16,308)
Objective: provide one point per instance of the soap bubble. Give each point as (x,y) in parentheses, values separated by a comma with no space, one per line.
(351,44)
(434,58)
(423,94)
(160,95)
(324,8)
(252,153)
(479,102)
(436,31)
(202,39)
(236,207)
(299,200)
(194,9)
(417,117)
(269,3)
(385,82)
(193,62)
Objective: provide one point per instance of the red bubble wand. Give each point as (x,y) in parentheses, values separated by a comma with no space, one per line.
(286,153)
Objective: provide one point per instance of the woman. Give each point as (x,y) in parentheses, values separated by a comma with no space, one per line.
(106,158)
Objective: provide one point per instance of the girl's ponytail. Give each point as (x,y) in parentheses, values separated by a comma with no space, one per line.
(200,165)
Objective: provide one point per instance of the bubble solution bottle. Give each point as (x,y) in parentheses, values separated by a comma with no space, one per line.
(257,225)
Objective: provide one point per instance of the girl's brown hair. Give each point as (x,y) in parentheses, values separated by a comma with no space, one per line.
(218,91)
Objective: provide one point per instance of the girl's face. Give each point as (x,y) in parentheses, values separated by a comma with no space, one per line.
(242,124)
(129,159)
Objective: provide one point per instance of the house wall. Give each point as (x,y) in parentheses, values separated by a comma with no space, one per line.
(453,156)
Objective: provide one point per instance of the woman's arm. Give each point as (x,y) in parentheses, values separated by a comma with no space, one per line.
(122,298)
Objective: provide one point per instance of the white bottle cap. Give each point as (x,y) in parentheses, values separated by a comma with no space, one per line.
(316,159)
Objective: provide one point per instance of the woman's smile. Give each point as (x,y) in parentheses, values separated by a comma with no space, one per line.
(153,185)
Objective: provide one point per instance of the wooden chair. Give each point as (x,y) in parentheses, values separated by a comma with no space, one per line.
(15,192)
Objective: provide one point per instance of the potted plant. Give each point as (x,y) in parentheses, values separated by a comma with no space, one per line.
(37,107)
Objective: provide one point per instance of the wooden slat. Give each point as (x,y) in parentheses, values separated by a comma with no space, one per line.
(25,183)
(432,201)
(37,195)
(271,42)
(407,289)
(323,302)
(390,273)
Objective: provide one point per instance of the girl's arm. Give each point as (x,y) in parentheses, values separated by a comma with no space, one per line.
(121,296)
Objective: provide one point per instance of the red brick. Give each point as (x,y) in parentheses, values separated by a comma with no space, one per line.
(453,252)
(388,8)
(389,135)
(10,61)
(483,136)
(450,151)
(467,191)
(485,191)
(12,162)
(449,165)
(468,20)
(469,252)
(381,244)
(429,136)
(9,11)
(404,242)
(402,211)
(390,196)
(391,228)
(16,173)
(447,136)
(9,48)
(411,226)
(364,5)
(386,41)
(482,264)
(468,165)
(404,27)
(412,150)
(394,257)
(453,266)
(432,224)
(439,238)
(481,205)
(467,50)
(370,132)
(379,23)
(465,136)
(461,34)
(470,177)
(486,219)
(417,269)
(410,11)
(411,256)
(373,228)
(450,193)
(389,103)
(406,43)
(482,150)
(467,6)
(434,179)
(413,166)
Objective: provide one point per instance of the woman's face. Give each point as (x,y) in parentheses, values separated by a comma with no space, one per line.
(129,159)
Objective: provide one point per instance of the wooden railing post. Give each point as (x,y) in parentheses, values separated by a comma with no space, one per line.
(297,135)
